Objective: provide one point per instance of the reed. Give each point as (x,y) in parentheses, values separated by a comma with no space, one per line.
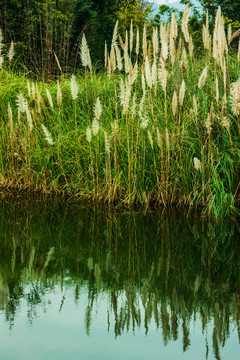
(166,104)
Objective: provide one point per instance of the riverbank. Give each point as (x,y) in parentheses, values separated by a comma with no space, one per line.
(164,131)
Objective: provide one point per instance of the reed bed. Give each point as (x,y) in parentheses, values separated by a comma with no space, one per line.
(160,125)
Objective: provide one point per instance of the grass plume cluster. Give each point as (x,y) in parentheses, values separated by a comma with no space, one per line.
(160,125)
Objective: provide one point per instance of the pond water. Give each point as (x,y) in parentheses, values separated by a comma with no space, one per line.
(92,283)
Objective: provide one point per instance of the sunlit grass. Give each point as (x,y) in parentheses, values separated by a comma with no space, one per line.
(160,125)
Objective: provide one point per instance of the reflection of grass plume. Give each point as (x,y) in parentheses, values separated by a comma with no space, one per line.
(49,256)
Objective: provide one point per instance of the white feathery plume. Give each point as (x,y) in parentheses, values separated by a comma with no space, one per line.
(150,139)
(154,73)
(195,106)
(197,164)
(148,72)
(106,55)
(49,98)
(84,51)
(127,97)
(218,19)
(174,103)
(131,37)
(185,31)
(134,104)
(141,105)
(107,143)
(164,34)
(59,94)
(1,40)
(112,59)
(47,135)
(126,57)
(95,127)
(155,42)
(217,90)
(143,84)
(144,42)
(206,35)
(125,94)
(115,34)
(159,138)
(11,52)
(119,58)
(180,44)
(185,19)
(164,51)
(182,93)
(191,47)
(235,97)
(1,61)
(208,124)
(89,134)
(29,119)
(121,42)
(39,99)
(162,75)
(144,123)
(137,42)
(21,103)
(74,87)
(115,127)
(224,75)
(167,138)
(225,120)
(29,88)
(89,61)
(134,73)
(202,78)
(172,50)
(174,27)
(98,109)
(184,60)
(33,91)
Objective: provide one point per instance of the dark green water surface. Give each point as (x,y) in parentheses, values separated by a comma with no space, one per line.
(84,283)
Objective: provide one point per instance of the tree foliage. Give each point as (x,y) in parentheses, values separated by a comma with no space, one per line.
(137,11)
(43,28)
(230,8)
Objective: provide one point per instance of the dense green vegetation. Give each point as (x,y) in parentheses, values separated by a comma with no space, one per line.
(159,125)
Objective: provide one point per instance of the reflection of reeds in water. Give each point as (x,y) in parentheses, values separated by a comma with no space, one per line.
(49,256)
(152,272)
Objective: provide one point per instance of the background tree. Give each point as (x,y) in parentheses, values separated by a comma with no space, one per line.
(96,18)
(43,28)
(39,29)
(230,8)
(137,11)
